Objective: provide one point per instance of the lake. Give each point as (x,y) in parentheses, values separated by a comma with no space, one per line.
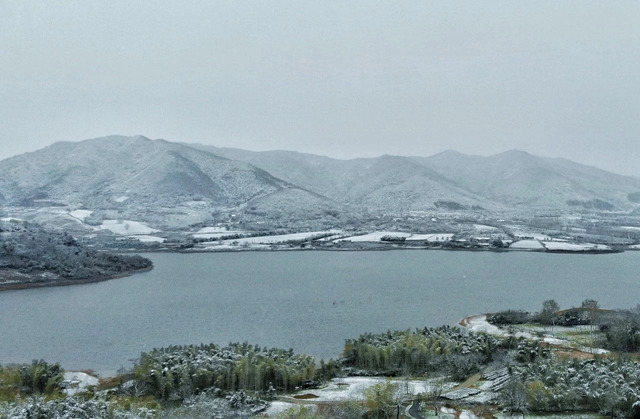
(309,301)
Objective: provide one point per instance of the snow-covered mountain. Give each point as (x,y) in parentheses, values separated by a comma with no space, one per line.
(513,178)
(519,178)
(135,172)
(166,180)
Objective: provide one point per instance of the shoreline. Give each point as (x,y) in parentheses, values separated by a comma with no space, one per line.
(365,249)
(68,282)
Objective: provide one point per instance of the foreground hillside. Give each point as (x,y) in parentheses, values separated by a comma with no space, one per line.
(32,256)
(557,366)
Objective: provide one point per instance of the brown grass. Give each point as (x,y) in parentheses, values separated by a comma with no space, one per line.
(305,396)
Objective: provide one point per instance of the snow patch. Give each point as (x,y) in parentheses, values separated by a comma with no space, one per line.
(438,237)
(527,245)
(126,227)
(352,388)
(80,214)
(375,236)
(277,407)
(573,247)
(279,238)
(77,382)
(148,239)
(121,198)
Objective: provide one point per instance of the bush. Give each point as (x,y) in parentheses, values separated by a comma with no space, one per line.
(510,317)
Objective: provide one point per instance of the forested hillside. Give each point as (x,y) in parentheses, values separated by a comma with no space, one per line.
(33,256)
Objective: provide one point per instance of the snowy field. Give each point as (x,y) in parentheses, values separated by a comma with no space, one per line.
(215,232)
(485,228)
(148,239)
(126,227)
(80,214)
(573,247)
(527,245)
(375,236)
(438,237)
(378,235)
(276,408)
(352,388)
(630,228)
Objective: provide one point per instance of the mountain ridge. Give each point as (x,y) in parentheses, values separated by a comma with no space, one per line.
(139,174)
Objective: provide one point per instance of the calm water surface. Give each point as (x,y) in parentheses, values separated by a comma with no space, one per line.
(309,301)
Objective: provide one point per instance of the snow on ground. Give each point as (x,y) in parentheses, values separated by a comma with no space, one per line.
(215,232)
(479,324)
(527,244)
(77,382)
(278,239)
(126,227)
(573,247)
(375,236)
(217,246)
(482,227)
(352,388)
(631,228)
(121,198)
(438,237)
(10,219)
(522,233)
(332,237)
(635,246)
(277,407)
(148,239)
(80,214)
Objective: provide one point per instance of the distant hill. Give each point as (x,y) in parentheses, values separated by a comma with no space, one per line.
(158,180)
(519,178)
(387,183)
(513,178)
(135,175)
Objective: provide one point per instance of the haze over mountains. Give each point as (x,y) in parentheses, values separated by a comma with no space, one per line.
(152,178)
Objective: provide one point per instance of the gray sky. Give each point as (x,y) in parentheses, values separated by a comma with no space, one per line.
(345,79)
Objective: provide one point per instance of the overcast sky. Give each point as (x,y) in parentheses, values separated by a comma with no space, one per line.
(345,78)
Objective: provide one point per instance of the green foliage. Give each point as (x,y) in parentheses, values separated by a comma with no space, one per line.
(622,331)
(39,377)
(381,399)
(605,385)
(299,412)
(430,349)
(177,372)
(9,383)
(510,317)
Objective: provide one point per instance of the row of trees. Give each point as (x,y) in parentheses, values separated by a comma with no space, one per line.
(177,372)
(448,349)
